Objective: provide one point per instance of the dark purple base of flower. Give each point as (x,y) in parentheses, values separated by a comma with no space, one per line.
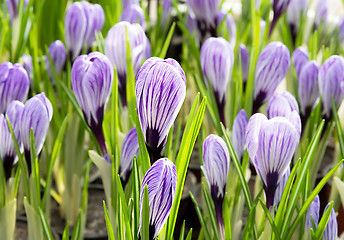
(270,189)
(152,140)
(27,155)
(151,233)
(8,165)
(221,107)
(258,102)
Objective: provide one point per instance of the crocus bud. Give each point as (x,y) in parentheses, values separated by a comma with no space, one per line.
(92,77)
(27,64)
(321,16)
(215,168)
(13,8)
(161,181)
(127,3)
(36,115)
(160,92)
(279,7)
(115,50)
(331,230)
(331,84)
(238,133)
(313,213)
(271,144)
(281,104)
(308,88)
(281,186)
(217,60)
(272,66)
(130,148)
(205,11)
(300,58)
(294,11)
(82,20)
(341,30)
(229,30)
(7,149)
(58,54)
(134,14)
(14,84)
(244,64)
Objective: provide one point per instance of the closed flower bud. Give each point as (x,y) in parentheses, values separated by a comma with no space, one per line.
(204,11)
(244,63)
(215,168)
(115,50)
(27,64)
(272,66)
(238,133)
(281,186)
(331,230)
(279,7)
(300,58)
(134,14)
(331,84)
(130,148)
(313,213)
(127,3)
(58,54)
(92,77)
(36,115)
(217,60)
(7,149)
(308,87)
(271,144)
(294,11)
(229,30)
(14,84)
(13,8)
(160,93)
(281,104)
(161,181)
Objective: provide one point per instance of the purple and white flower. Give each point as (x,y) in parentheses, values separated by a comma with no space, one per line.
(14,84)
(279,7)
(272,66)
(160,93)
(130,148)
(281,104)
(238,133)
(92,77)
(313,213)
(331,83)
(205,11)
(271,144)
(57,52)
(134,14)
(331,230)
(115,50)
(217,60)
(300,58)
(294,11)
(27,64)
(244,63)
(82,20)
(127,3)
(321,16)
(229,30)
(161,181)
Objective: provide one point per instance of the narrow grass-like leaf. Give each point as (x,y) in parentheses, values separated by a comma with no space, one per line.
(182,231)
(77,228)
(323,222)
(145,215)
(339,129)
(200,217)
(2,185)
(189,236)
(124,209)
(167,41)
(271,221)
(65,235)
(47,232)
(136,194)
(131,97)
(210,208)
(110,233)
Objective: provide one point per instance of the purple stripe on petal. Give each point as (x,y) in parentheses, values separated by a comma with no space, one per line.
(134,14)
(300,58)
(281,104)
(281,186)
(238,133)
(313,213)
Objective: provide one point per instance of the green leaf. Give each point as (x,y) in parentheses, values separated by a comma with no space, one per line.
(77,228)
(200,217)
(136,194)
(323,222)
(145,215)
(65,235)
(339,129)
(111,235)
(47,232)
(271,221)
(189,236)
(167,41)
(182,231)
(210,208)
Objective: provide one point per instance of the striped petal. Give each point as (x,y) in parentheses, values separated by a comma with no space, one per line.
(313,213)
(281,186)
(331,230)
(58,55)
(281,104)
(300,58)
(238,133)
(204,10)
(134,14)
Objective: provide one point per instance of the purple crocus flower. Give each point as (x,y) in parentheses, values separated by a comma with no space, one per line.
(166,11)
(238,133)
(271,144)
(130,148)
(92,77)
(313,213)
(27,64)
(58,55)
(14,84)
(115,50)
(331,84)
(36,115)
(281,104)
(308,88)
(161,181)
(321,16)
(217,60)
(205,11)
(134,14)
(341,30)
(272,66)
(82,20)
(7,149)
(294,11)
(160,93)
(279,7)
(244,64)
(281,186)
(331,230)
(300,58)
(13,8)
(215,168)
(127,3)
(229,27)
